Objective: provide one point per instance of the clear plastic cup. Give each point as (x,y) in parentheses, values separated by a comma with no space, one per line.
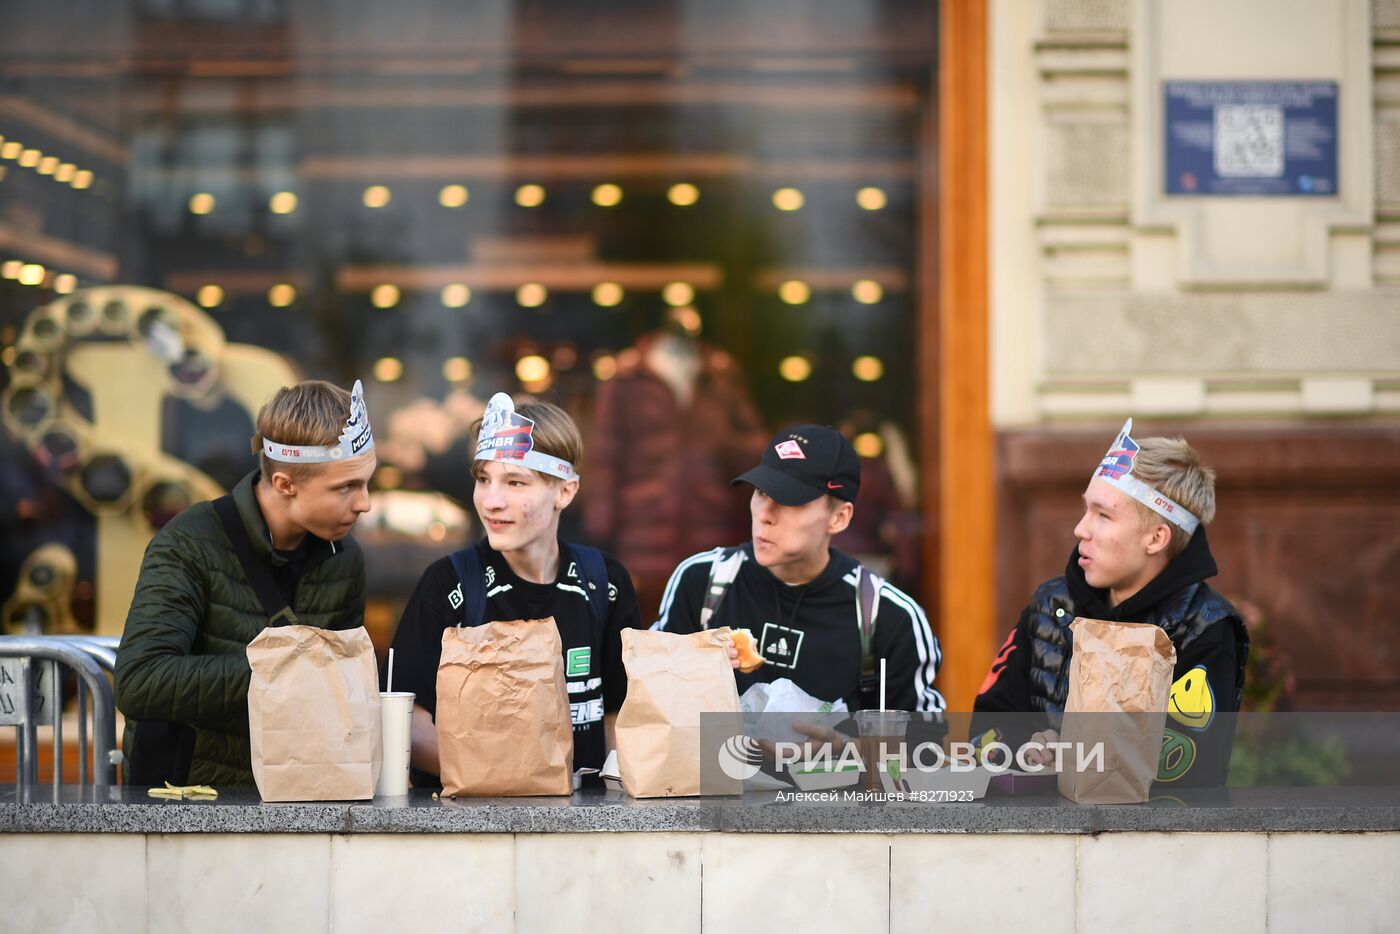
(881,738)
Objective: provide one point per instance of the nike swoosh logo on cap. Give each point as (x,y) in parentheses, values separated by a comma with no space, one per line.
(834,486)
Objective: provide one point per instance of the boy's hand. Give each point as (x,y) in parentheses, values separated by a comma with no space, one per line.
(819,734)
(1041,755)
(743,654)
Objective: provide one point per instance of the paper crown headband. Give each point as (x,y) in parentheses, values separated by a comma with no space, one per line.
(1116,469)
(357,438)
(509,436)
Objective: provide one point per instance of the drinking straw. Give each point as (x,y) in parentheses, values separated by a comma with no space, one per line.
(389,686)
(881,682)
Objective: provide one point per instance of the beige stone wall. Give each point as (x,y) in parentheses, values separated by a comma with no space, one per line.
(848,883)
(1109,298)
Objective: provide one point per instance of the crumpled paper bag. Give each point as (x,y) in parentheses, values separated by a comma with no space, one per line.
(1120,677)
(313,714)
(671,680)
(503,721)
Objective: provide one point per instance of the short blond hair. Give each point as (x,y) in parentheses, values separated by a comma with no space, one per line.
(309,413)
(555,433)
(1172,467)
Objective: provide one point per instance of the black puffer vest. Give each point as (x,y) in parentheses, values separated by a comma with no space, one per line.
(1184,615)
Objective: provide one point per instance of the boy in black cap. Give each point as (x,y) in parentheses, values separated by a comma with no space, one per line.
(817,616)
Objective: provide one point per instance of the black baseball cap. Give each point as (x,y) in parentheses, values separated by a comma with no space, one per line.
(804,462)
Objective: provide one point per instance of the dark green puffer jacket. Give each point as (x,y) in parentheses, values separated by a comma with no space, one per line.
(183,651)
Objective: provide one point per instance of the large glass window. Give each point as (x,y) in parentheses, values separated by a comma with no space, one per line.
(689,223)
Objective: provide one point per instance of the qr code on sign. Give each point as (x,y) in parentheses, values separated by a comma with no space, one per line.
(1248,141)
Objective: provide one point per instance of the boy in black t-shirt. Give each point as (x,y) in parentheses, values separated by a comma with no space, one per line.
(525,477)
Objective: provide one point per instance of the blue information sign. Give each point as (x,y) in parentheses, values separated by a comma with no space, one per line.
(1251,138)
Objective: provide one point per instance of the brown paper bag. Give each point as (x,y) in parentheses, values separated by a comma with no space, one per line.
(313,714)
(1120,677)
(671,680)
(503,723)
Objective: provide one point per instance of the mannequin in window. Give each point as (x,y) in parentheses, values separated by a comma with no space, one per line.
(671,429)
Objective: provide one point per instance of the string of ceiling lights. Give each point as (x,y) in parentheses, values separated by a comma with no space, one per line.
(33,159)
(531,368)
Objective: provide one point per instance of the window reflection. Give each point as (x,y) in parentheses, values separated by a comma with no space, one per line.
(688,223)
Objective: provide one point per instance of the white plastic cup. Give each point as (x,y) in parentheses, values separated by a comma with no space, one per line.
(396,719)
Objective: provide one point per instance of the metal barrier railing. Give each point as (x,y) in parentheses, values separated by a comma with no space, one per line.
(104,650)
(26,662)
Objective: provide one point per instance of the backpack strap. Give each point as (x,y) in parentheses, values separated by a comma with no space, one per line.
(467,563)
(593,576)
(257,572)
(867,609)
(723,569)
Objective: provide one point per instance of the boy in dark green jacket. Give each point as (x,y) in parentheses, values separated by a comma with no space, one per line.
(182,673)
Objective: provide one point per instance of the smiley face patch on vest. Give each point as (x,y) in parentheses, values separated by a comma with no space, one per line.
(1192,702)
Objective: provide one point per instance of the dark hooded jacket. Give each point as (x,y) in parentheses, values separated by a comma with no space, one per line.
(809,632)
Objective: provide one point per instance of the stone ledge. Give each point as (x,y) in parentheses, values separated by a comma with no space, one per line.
(1245,810)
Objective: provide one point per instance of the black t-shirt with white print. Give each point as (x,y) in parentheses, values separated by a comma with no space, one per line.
(596,680)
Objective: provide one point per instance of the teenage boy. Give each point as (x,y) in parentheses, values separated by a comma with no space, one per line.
(525,476)
(817,616)
(1142,557)
(276,550)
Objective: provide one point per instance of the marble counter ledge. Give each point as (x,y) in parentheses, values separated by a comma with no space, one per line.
(72,809)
